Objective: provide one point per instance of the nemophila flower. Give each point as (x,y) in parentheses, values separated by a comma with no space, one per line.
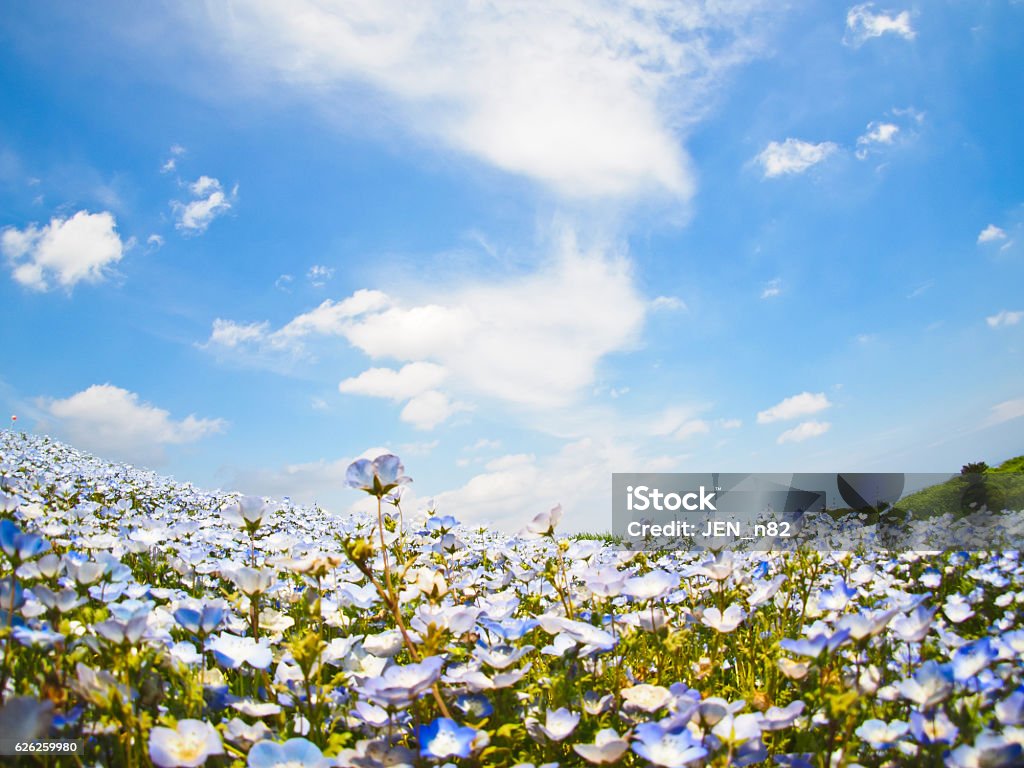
(970,659)
(723,622)
(592,638)
(294,753)
(475,706)
(929,686)
(446,738)
(247,512)
(815,646)
(777,718)
(559,724)
(836,598)
(668,749)
(44,638)
(378,477)
(880,734)
(651,585)
(23,718)
(187,745)
(371,714)
(957,609)
(201,619)
(608,747)
(398,686)
(765,590)
(718,569)
(933,728)
(252,581)
(443,523)
(19,546)
(121,632)
(251,708)
(186,653)
(990,750)
(232,651)
(913,627)
(646,697)
(237,731)
(544,523)
(606,581)
(1010,711)
(712,709)
(384,644)
(500,656)
(735,729)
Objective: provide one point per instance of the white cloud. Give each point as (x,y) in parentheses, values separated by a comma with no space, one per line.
(862,24)
(318,275)
(114,423)
(772,288)
(877,133)
(793,156)
(411,380)
(68,251)
(587,97)
(209,201)
(155,242)
(793,407)
(667,303)
(534,339)
(1004,318)
(991,234)
(1006,411)
(227,333)
(428,409)
(283,282)
(804,431)
(691,428)
(730,423)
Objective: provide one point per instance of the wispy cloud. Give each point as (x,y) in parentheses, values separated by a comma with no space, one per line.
(592,95)
(772,288)
(209,200)
(793,407)
(804,431)
(1004,318)
(1006,411)
(863,24)
(793,156)
(991,234)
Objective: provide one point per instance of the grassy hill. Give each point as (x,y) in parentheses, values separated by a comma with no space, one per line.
(999,487)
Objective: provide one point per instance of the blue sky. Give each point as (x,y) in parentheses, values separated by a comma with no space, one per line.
(523,247)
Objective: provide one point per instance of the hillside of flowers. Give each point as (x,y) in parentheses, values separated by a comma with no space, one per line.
(153,623)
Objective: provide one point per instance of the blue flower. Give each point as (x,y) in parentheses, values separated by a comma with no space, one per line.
(200,621)
(446,738)
(971,658)
(935,728)
(294,753)
(474,705)
(929,686)
(814,647)
(20,546)
(379,477)
(666,748)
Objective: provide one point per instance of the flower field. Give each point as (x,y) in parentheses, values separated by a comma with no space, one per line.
(154,623)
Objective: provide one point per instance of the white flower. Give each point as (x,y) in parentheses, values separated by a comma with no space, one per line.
(723,622)
(186,746)
(649,698)
(233,651)
(560,723)
(607,747)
